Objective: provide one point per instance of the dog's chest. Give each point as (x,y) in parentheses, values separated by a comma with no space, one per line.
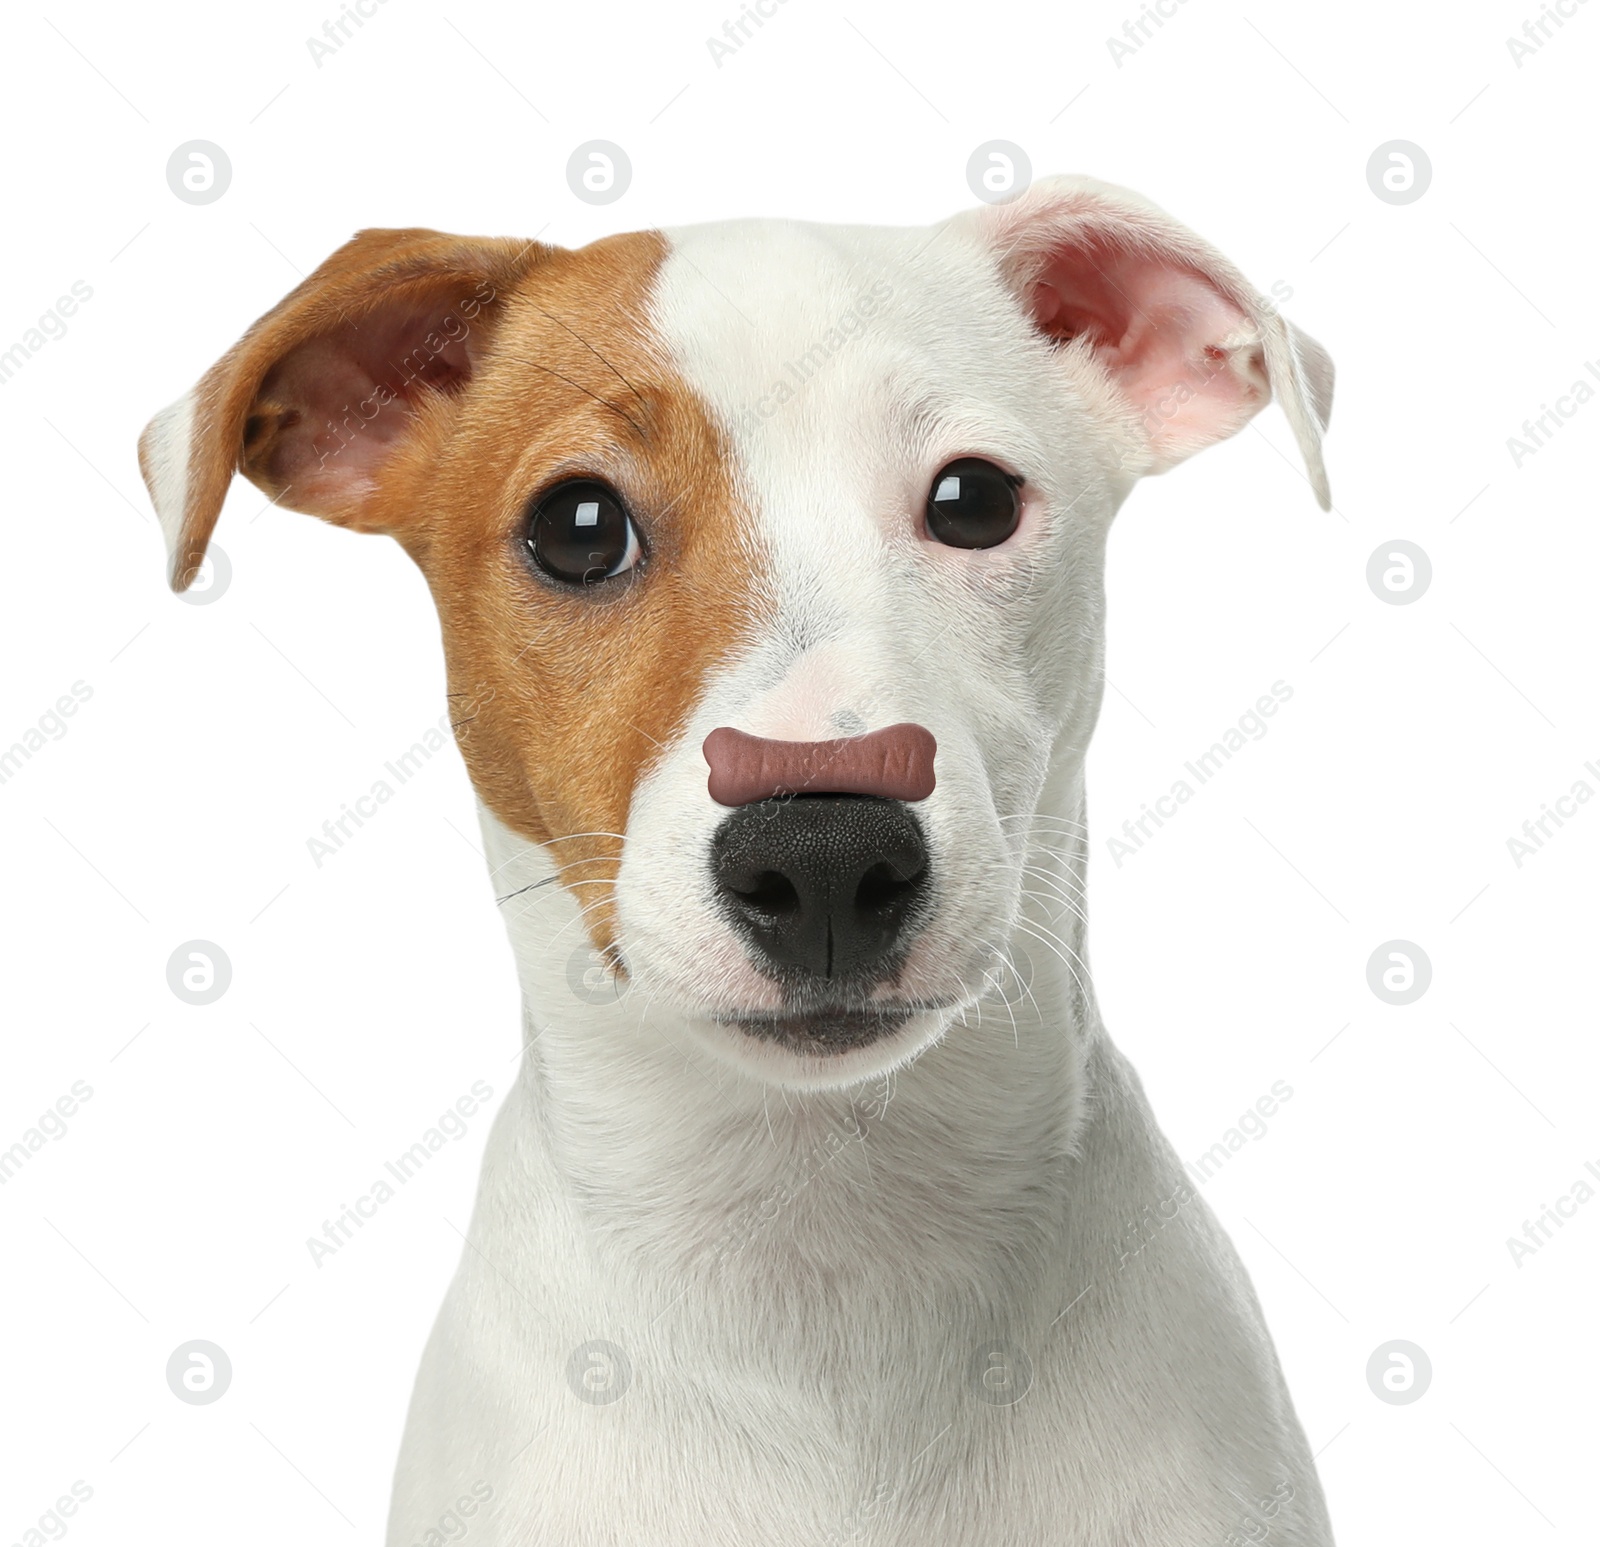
(958,1470)
(876,1355)
(617,1433)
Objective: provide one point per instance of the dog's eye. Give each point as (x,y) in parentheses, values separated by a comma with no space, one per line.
(580,533)
(973,504)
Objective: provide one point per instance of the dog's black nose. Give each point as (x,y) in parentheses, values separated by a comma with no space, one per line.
(825,888)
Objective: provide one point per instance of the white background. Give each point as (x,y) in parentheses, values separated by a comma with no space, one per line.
(1229,952)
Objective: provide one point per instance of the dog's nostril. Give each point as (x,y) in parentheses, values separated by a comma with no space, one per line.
(886,883)
(769,892)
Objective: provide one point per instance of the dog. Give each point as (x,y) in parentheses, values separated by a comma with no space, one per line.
(768,561)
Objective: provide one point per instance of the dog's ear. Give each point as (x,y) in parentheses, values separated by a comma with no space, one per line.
(1186,343)
(325,387)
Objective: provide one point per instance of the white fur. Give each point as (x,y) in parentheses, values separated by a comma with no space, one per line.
(808,1265)
(165,447)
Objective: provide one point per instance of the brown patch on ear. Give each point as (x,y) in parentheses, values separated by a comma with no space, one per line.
(564,696)
(321,390)
(357,399)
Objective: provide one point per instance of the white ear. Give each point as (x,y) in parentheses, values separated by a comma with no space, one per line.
(1184,340)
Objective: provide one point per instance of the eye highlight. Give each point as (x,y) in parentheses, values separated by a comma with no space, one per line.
(973,504)
(580,533)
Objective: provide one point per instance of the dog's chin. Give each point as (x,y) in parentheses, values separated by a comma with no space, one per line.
(824,1048)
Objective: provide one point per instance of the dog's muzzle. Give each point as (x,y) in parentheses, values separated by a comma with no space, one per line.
(822,869)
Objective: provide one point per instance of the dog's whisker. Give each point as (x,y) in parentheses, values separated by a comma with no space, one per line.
(1064,951)
(600,357)
(583,910)
(1044,878)
(1058,906)
(555,875)
(578,386)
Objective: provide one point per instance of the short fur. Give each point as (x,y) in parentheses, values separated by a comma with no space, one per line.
(951,1287)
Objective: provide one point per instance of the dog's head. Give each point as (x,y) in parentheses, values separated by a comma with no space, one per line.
(767,556)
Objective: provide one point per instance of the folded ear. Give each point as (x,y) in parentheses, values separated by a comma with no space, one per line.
(1184,340)
(321,391)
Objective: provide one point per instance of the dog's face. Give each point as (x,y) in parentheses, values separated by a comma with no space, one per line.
(690,503)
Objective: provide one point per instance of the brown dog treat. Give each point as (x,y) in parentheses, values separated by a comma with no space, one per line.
(895,763)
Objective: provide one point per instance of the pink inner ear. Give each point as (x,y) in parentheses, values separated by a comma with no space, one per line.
(330,412)
(1178,349)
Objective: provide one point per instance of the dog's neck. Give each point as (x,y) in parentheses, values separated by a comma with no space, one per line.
(679,1164)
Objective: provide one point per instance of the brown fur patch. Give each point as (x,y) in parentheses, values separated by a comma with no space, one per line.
(563,696)
(566,695)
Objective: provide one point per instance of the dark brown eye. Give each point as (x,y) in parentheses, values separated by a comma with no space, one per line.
(580,533)
(973,504)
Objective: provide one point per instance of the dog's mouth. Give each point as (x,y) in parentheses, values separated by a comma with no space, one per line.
(824,1032)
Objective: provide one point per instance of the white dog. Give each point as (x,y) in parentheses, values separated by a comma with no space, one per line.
(768,561)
